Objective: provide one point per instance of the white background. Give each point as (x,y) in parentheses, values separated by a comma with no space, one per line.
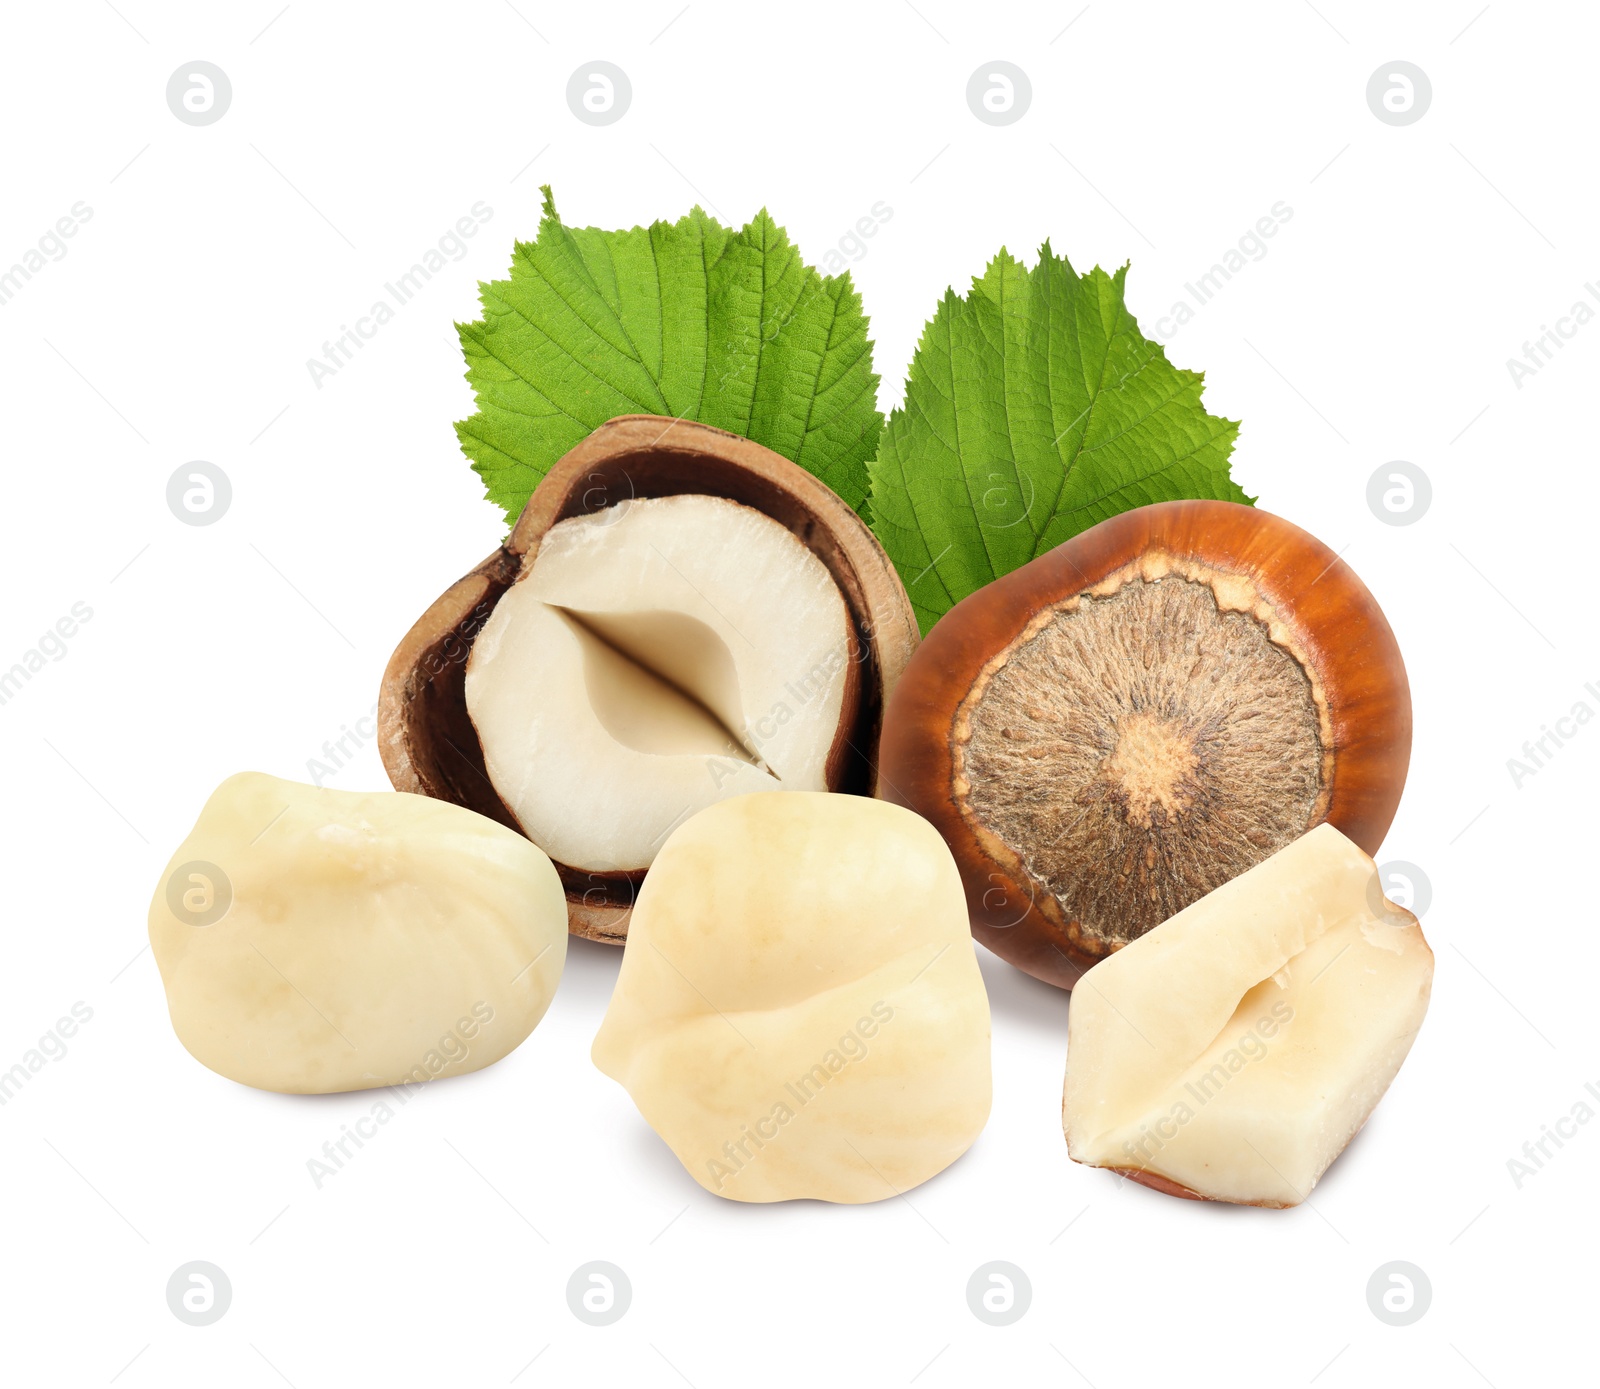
(177,327)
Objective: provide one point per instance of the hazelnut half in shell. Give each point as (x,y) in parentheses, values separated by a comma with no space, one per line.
(427,735)
(1138,716)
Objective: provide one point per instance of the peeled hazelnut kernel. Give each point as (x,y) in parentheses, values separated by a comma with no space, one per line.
(657,656)
(1231,1053)
(799,1012)
(1142,713)
(314,941)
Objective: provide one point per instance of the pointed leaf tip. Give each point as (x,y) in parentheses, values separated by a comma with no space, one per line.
(1036,388)
(680,318)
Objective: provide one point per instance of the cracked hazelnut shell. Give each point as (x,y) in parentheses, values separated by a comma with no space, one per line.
(426,736)
(1141,714)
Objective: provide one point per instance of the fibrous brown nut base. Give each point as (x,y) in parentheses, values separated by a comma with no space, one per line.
(1140,715)
(1147,729)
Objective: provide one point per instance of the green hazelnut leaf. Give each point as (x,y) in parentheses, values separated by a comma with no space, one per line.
(689,319)
(1034,408)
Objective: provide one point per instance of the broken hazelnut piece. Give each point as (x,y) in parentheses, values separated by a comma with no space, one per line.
(1231,1053)
(626,652)
(1136,717)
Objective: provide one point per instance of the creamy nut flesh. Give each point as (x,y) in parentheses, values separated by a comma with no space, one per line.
(1138,747)
(799,1012)
(658,656)
(1236,1049)
(371,939)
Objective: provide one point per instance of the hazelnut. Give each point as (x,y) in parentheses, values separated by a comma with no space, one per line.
(1141,714)
(313,940)
(799,1011)
(637,677)
(656,657)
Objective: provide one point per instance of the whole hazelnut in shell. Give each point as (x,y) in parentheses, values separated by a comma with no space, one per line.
(1140,715)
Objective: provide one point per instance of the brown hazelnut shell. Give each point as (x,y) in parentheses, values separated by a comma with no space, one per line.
(1333,623)
(425,736)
